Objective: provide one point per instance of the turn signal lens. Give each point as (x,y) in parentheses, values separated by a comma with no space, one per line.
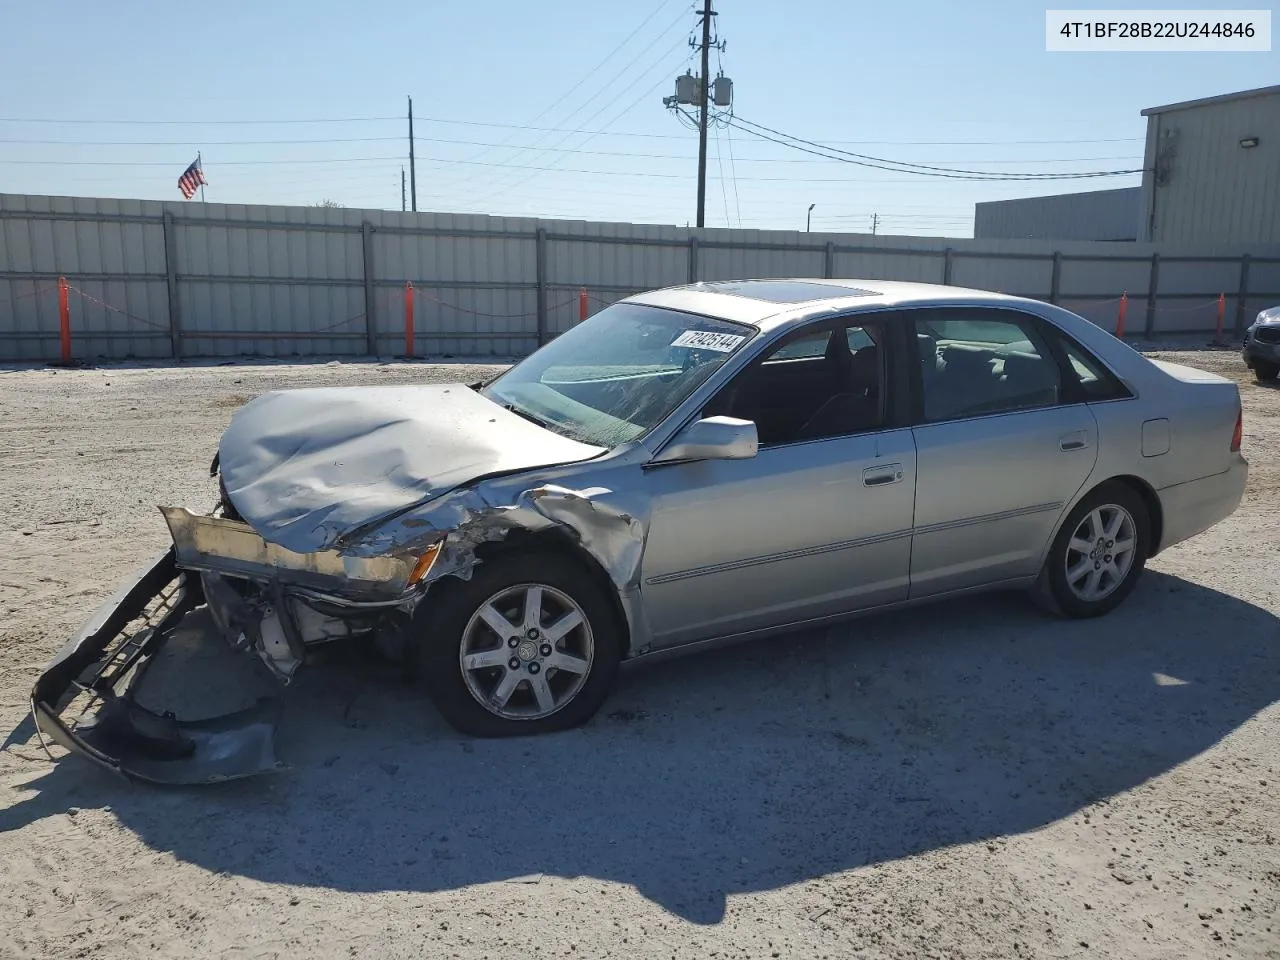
(1238,435)
(425,563)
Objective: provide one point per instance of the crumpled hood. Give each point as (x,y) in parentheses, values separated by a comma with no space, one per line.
(304,466)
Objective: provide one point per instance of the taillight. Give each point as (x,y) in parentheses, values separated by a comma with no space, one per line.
(1238,434)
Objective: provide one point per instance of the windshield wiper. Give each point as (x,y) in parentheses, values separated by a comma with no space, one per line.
(532,418)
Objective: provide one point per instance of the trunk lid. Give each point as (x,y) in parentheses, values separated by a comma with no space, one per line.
(304,466)
(1189,374)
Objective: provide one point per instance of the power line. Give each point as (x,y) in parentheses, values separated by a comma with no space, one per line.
(631,154)
(222,163)
(898,166)
(518,166)
(516,128)
(204,142)
(645,73)
(480,143)
(196,123)
(511,126)
(607,57)
(724,197)
(600,88)
(728,134)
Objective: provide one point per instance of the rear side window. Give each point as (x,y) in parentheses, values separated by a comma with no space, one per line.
(976,361)
(1092,381)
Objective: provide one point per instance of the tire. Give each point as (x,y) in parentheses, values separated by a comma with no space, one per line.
(1112,577)
(514,686)
(1265,370)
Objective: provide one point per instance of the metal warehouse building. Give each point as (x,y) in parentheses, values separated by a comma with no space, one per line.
(1211,177)
(1098,215)
(1213,170)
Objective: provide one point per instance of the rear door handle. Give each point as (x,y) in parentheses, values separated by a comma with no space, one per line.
(1073,441)
(879,476)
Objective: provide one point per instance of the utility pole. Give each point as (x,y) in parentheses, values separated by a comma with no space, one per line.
(704,110)
(402,206)
(702,92)
(413,170)
(875,222)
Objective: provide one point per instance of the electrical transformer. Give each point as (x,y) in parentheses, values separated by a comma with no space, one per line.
(687,89)
(722,92)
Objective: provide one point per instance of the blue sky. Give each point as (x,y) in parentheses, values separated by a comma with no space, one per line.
(929,81)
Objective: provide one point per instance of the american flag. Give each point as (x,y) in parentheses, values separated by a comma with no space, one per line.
(191,178)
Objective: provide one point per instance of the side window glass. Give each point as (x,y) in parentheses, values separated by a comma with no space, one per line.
(858,338)
(826,389)
(802,348)
(1094,381)
(976,362)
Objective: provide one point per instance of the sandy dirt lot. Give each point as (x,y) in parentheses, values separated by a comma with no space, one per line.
(969,780)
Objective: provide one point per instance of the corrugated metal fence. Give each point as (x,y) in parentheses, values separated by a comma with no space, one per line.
(146,279)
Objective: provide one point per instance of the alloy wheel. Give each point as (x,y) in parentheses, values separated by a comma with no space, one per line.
(526,652)
(1100,552)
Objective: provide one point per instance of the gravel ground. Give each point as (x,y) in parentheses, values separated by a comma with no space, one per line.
(967,780)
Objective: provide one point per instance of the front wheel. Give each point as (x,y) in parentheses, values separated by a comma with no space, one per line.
(1099,553)
(1265,370)
(530,644)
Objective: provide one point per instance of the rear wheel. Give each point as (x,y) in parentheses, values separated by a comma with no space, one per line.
(1265,369)
(530,644)
(1099,553)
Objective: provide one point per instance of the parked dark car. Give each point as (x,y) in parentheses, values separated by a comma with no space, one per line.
(1262,345)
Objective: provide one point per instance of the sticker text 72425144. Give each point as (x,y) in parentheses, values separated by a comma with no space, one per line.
(706,340)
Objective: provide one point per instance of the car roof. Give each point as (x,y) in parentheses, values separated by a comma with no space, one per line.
(772,303)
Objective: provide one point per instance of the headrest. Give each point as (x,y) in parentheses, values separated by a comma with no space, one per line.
(928,347)
(969,359)
(1026,366)
(866,364)
(837,348)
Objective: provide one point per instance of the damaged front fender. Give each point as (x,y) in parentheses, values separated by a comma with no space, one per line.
(605,524)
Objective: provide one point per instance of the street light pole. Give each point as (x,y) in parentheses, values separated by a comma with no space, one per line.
(808,216)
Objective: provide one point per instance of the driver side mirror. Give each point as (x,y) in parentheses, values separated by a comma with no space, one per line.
(715,438)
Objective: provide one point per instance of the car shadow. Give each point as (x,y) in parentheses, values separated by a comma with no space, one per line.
(745,769)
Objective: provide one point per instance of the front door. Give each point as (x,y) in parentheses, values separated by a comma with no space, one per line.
(817,523)
(999,452)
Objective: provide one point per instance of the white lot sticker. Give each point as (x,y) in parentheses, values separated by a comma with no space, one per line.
(705,340)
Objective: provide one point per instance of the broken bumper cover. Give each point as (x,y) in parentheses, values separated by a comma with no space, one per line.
(96,673)
(231,548)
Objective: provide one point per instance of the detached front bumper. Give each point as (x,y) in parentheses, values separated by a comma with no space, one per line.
(84,700)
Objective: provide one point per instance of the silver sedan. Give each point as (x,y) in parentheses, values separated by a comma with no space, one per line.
(690,466)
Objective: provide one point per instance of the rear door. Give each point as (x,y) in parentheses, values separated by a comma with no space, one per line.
(999,449)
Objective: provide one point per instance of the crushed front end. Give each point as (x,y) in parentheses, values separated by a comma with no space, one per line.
(337,508)
(264,599)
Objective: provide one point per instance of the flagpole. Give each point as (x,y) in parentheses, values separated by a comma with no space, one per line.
(200,167)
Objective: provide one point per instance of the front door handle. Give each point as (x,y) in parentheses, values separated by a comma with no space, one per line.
(1073,441)
(879,476)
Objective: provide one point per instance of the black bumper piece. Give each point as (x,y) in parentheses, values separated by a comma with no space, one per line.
(101,666)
